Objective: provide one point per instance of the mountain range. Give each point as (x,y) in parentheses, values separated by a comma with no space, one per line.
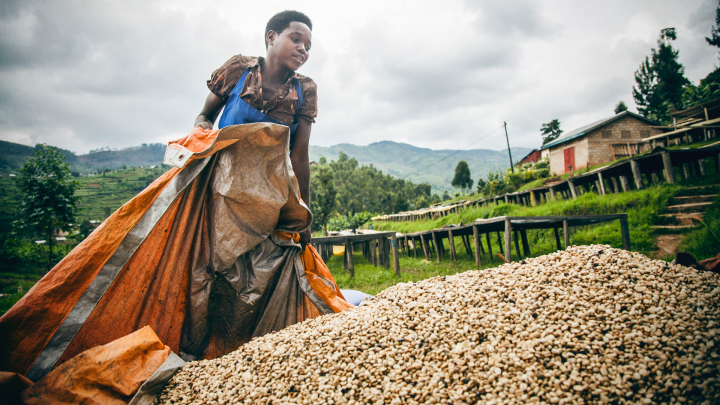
(419,165)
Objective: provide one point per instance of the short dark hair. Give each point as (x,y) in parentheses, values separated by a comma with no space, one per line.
(282,20)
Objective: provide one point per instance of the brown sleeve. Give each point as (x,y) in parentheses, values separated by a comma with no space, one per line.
(223,80)
(309,105)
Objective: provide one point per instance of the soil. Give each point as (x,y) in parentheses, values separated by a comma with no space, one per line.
(667,245)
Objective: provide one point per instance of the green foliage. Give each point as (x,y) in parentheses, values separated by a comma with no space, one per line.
(693,95)
(462,178)
(620,107)
(365,188)
(322,201)
(550,131)
(714,38)
(703,243)
(349,221)
(660,80)
(48,195)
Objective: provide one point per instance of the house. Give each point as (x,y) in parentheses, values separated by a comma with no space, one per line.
(600,142)
(533,157)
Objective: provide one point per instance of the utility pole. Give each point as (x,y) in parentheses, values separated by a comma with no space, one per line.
(512,169)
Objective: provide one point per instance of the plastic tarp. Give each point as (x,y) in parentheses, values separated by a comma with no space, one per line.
(108,374)
(206,256)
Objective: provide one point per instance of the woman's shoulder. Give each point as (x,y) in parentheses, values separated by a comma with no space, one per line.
(238,62)
(307,84)
(223,80)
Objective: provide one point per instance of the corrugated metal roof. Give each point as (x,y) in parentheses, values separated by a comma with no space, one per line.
(578,132)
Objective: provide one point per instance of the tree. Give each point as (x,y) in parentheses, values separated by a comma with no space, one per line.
(550,131)
(322,202)
(660,80)
(620,107)
(462,178)
(446,196)
(714,38)
(48,195)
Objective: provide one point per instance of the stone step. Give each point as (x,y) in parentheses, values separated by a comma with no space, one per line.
(688,208)
(674,227)
(694,199)
(684,219)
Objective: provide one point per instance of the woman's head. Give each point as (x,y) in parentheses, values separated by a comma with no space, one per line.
(288,37)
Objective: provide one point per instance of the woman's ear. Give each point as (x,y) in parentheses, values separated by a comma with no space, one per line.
(270,37)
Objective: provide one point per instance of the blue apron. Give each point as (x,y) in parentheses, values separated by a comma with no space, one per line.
(237,111)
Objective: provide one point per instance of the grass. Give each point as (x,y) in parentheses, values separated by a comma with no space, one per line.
(703,242)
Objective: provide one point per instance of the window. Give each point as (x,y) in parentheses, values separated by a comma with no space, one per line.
(625,134)
(644,133)
(606,133)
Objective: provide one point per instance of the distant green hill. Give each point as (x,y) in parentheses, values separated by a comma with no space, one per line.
(397,159)
(13,155)
(403,160)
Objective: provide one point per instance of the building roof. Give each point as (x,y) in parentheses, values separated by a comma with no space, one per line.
(527,156)
(578,132)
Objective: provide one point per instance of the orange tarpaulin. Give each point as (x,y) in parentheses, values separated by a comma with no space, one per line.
(108,374)
(195,256)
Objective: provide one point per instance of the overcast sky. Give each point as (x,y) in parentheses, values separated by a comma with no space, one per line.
(440,74)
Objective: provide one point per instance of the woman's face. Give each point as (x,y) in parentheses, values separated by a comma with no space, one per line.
(291,48)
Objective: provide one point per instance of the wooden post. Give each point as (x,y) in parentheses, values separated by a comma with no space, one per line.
(349,255)
(616,188)
(668,168)
(533,200)
(381,252)
(476,239)
(466,243)
(602,183)
(635,166)
(625,233)
(374,252)
(451,240)
(414,248)
(346,260)
(557,238)
(552,192)
(701,166)
(685,172)
(425,251)
(525,243)
(487,239)
(654,178)
(517,245)
(437,248)
(508,231)
(566,233)
(500,244)
(396,259)
(624,184)
(573,191)
(387,252)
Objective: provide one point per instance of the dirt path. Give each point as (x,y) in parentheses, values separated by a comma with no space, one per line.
(667,245)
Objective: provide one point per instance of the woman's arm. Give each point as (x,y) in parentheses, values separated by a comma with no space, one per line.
(210,111)
(301,165)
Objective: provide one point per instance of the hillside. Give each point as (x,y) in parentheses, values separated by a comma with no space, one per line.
(12,156)
(401,160)
(396,159)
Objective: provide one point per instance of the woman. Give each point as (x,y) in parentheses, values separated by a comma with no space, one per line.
(211,254)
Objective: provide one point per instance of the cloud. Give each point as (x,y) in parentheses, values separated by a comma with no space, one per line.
(83,75)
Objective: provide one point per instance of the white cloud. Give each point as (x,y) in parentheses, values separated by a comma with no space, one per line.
(83,75)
